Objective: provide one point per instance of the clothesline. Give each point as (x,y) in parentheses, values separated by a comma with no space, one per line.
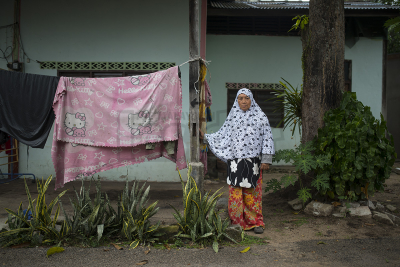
(205,62)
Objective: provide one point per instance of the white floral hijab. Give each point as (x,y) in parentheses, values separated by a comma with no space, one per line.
(244,134)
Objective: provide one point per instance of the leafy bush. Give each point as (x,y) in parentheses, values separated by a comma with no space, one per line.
(351,156)
(361,155)
(199,220)
(90,218)
(304,160)
(136,217)
(41,228)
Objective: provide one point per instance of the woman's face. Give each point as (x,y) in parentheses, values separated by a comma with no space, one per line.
(244,102)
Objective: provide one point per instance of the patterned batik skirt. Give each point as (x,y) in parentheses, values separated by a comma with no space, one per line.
(244,172)
(245,206)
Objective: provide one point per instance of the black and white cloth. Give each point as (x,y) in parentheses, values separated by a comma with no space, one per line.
(244,172)
(245,139)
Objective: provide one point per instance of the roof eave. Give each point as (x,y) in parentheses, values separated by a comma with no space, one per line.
(297,11)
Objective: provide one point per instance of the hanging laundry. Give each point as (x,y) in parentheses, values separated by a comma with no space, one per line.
(205,103)
(105,123)
(26,106)
(208,97)
(5,143)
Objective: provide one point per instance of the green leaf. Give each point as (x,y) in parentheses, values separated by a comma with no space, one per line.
(245,250)
(134,244)
(321,181)
(100,229)
(288,179)
(53,250)
(215,246)
(304,194)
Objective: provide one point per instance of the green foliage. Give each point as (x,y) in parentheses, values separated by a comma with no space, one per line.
(361,155)
(304,194)
(301,21)
(304,161)
(199,221)
(41,227)
(289,100)
(351,156)
(393,27)
(136,217)
(90,218)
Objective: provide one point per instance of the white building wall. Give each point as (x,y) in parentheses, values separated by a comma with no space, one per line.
(110,31)
(157,31)
(265,59)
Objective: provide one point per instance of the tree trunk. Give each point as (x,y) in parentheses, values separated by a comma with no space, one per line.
(323,63)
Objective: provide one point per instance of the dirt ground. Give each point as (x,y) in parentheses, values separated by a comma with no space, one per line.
(282,225)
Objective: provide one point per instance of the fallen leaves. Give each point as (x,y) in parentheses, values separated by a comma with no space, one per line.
(245,250)
(147,252)
(53,250)
(167,246)
(335,204)
(143,262)
(116,246)
(321,242)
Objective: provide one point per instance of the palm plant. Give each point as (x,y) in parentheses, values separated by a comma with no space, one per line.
(290,100)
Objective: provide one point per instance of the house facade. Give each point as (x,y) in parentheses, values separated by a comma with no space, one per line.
(246,46)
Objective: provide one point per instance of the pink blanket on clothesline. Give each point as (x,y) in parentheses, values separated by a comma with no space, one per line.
(105,123)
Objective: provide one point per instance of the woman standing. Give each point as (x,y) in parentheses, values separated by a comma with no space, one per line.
(245,143)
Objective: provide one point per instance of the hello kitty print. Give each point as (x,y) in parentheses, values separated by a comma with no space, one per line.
(75,124)
(96,117)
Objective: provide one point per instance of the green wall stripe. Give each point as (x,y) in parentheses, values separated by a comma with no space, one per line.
(57,65)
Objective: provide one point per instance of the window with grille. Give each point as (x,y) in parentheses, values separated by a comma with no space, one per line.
(262,98)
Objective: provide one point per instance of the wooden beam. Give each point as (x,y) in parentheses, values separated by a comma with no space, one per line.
(203,29)
(194,85)
(384,59)
(212,12)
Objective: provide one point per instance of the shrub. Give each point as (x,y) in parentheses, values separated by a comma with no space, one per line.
(90,218)
(41,227)
(361,156)
(304,160)
(199,220)
(136,217)
(351,156)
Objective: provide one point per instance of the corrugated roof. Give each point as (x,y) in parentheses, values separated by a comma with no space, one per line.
(296,5)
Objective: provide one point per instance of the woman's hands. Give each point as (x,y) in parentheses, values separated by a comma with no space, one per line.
(264,166)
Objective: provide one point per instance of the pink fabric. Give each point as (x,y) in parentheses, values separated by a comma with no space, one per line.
(104,123)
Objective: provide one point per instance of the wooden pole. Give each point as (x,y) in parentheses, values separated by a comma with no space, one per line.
(384,59)
(13,165)
(194,89)
(203,34)
(194,85)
